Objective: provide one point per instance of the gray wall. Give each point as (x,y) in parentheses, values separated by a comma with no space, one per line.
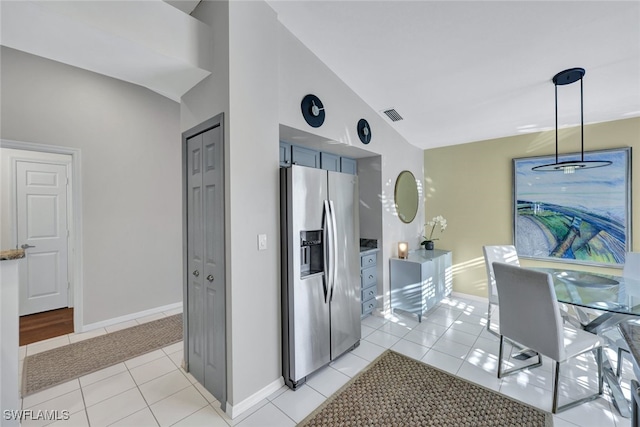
(129,139)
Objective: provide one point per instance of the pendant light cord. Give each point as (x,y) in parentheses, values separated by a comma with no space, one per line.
(581,124)
(556,86)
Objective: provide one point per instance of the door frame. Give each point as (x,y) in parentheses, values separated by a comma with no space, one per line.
(211,123)
(74,216)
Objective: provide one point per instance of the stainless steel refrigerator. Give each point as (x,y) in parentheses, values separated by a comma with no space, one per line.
(320,269)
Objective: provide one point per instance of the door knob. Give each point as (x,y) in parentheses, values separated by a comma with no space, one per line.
(195,273)
(210,278)
(25,246)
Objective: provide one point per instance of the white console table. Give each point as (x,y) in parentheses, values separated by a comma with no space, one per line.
(420,281)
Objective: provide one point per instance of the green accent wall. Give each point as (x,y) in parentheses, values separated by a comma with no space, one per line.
(471,185)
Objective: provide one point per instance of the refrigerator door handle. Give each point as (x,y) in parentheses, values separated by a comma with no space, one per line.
(327,250)
(334,249)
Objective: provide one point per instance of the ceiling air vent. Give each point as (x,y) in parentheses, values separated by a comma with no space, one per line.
(393,115)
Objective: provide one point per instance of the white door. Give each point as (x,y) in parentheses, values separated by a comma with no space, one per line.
(41,199)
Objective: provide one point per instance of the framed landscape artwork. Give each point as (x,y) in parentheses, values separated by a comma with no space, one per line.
(582,217)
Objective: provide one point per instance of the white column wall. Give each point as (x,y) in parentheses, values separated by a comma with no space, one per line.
(301,73)
(259,77)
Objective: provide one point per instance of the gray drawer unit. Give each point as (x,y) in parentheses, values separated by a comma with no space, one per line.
(368,276)
(368,306)
(368,280)
(369,293)
(368,260)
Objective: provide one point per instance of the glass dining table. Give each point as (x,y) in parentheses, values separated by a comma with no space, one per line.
(601,302)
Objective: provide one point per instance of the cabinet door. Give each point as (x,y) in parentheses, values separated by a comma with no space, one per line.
(348,165)
(330,162)
(429,285)
(305,157)
(442,277)
(285,154)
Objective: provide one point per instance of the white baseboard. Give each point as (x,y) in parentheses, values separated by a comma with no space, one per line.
(469,296)
(234,410)
(132,316)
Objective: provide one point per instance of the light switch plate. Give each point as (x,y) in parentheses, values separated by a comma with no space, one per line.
(262,242)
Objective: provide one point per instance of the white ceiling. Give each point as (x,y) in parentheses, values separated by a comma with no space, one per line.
(127,40)
(457,71)
(186,6)
(462,71)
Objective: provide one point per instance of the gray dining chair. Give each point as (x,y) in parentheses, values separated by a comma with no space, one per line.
(530,316)
(499,253)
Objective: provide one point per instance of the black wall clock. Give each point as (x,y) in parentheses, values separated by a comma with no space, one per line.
(364,131)
(312,110)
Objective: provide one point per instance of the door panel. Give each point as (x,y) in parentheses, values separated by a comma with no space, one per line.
(205,255)
(308,314)
(195,250)
(214,368)
(311,327)
(41,212)
(345,305)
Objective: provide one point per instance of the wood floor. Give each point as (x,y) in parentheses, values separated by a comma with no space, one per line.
(42,326)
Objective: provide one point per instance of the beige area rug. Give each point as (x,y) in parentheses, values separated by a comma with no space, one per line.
(398,391)
(56,366)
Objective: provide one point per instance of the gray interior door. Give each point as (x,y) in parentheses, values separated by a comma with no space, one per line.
(205,293)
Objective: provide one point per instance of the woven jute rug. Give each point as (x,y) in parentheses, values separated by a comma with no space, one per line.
(398,391)
(56,366)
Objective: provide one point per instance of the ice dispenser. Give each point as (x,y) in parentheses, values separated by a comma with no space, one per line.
(311,253)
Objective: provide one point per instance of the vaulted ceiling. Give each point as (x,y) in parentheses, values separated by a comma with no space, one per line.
(456,71)
(461,71)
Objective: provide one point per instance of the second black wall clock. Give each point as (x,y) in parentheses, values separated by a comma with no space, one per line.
(312,110)
(364,131)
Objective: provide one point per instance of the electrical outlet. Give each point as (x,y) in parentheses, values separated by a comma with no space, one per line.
(262,242)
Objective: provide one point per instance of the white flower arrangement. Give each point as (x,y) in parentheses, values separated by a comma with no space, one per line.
(437,220)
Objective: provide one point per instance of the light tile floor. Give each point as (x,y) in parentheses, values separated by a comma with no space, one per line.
(153,390)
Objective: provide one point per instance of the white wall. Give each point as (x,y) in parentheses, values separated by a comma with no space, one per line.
(129,138)
(301,73)
(254,197)
(245,47)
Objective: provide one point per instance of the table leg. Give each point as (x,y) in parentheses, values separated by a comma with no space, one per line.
(619,401)
(601,324)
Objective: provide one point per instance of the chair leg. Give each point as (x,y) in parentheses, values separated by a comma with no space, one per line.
(555,408)
(489,322)
(502,373)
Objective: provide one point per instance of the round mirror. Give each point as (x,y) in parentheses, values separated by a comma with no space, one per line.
(406,196)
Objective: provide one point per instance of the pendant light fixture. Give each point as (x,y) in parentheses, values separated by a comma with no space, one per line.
(567,77)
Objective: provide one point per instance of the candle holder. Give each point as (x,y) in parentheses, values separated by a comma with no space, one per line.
(403,250)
